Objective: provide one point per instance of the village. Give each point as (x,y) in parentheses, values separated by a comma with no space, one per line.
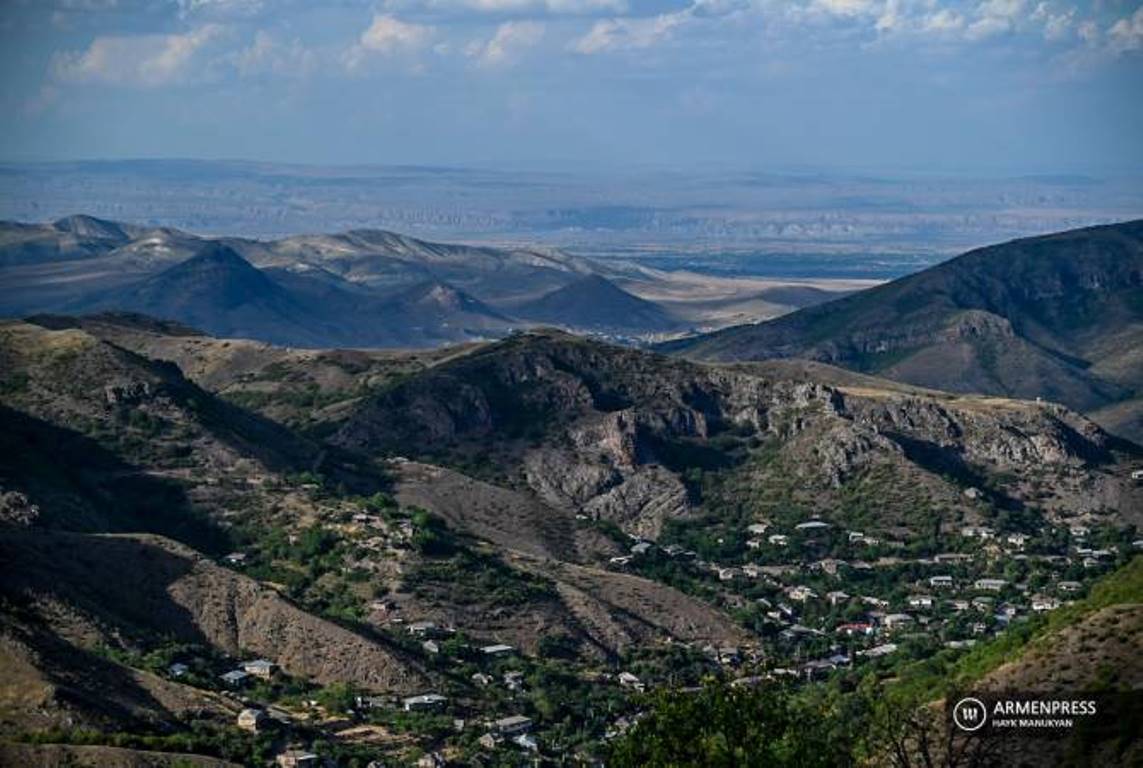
(818,600)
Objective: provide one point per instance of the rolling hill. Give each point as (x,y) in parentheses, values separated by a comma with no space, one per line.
(1058,317)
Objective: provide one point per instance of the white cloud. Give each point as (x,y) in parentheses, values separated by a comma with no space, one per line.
(553,7)
(142,60)
(1127,33)
(628,33)
(509,40)
(267,54)
(845,7)
(221,9)
(388,36)
(1088,32)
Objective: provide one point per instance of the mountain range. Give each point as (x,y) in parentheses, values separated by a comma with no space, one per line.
(1058,317)
(545,524)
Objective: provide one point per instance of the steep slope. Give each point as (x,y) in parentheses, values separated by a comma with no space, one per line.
(100,438)
(595,303)
(123,590)
(618,434)
(219,291)
(1042,317)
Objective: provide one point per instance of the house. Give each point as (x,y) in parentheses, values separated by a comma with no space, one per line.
(878,650)
(1137,475)
(979,628)
(641,548)
(235,558)
(982,603)
(1017,540)
(874,602)
(1079,531)
(837,598)
(856,537)
(800,593)
(779,540)
(432,760)
(754,543)
(512,725)
(728,574)
(252,720)
(430,646)
(855,628)
(622,560)
(972,493)
(753,571)
(959,605)
(526,741)
(424,701)
(920,601)
(951,557)
(990,585)
(234,678)
(977,532)
(371,702)
(1070,587)
(1041,603)
(757,528)
(297,758)
(896,621)
(672,550)
(812,526)
(829,565)
(260,668)
(177,670)
(628,680)
(490,740)
(422,628)
(481,679)
(940,582)
(497,649)
(817,669)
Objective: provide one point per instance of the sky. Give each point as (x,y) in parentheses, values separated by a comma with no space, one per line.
(947,86)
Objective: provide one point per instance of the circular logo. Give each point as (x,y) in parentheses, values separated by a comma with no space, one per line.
(970,714)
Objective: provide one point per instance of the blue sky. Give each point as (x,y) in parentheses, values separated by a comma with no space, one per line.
(976,86)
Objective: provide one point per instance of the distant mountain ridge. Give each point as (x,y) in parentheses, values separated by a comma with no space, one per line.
(595,302)
(358,288)
(1058,317)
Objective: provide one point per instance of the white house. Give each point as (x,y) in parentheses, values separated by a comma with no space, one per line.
(423,701)
(497,649)
(897,620)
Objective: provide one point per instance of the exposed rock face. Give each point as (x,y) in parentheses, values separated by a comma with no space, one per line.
(16,509)
(846,447)
(642,502)
(608,432)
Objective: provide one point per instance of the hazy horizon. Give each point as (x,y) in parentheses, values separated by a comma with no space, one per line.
(989,87)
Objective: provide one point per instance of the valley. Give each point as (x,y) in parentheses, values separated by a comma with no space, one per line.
(505,550)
